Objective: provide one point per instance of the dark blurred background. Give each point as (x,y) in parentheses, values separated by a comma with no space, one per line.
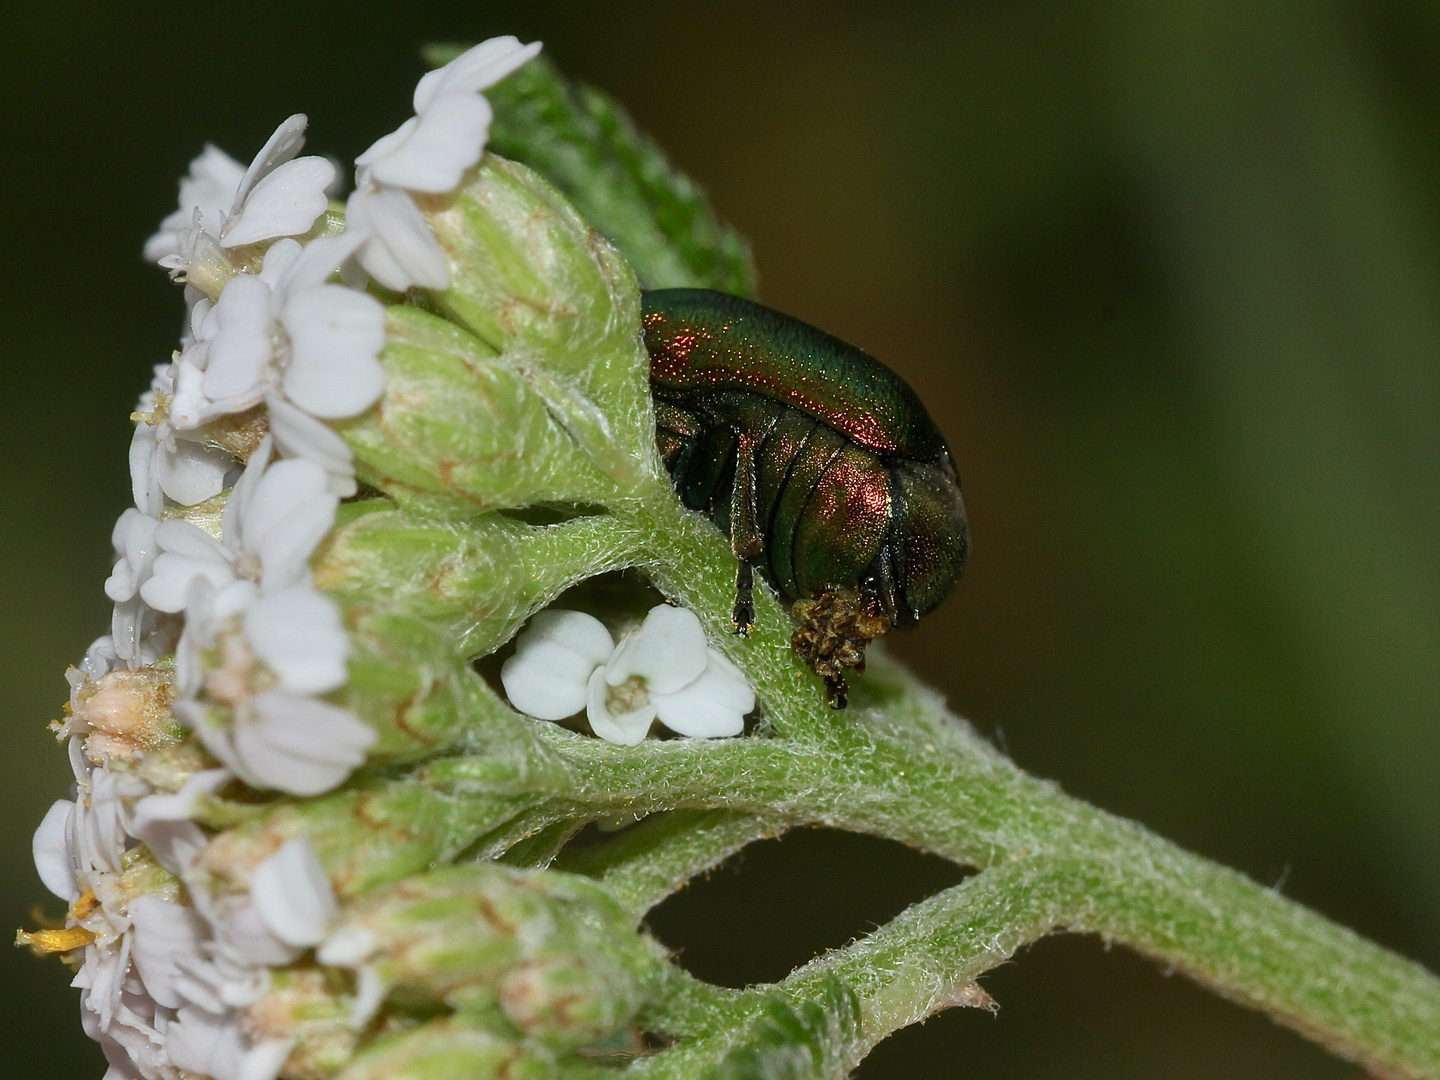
(1167,273)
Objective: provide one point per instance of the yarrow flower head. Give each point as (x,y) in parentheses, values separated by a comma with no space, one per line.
(567,661)
(231,689)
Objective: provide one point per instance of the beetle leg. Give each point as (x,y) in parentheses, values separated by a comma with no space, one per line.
(746,540)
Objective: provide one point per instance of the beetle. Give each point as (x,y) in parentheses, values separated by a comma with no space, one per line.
(820,464)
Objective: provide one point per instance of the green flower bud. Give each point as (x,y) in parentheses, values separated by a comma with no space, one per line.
(549,951)
(308,1008)
(363,838)
(569,999)
(536,388)
(458,421)
(449,1049)
(475,584)
(408,684)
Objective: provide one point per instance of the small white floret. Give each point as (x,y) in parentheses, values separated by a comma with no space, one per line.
(665,670)
(627,727)
(209,188)
(286,742)
(429,153)
(447,135)
(166,936)
(401,252)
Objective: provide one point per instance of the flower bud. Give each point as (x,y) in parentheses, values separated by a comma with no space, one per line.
(363,838)
(569,999)
(449,1049)
(457,421)
(536,389)
(549,951)
(476,585)
(304,1008)
(409,685)
(128,712)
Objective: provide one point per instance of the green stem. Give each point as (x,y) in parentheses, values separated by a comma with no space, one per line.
(643,865)
(1059,864)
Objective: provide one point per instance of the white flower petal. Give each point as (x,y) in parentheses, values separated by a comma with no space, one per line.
(287,140)
(447,139)
(548,675)
(144,480)
(187,553)
(299,435)
(168,588)
(298,744)
(209,188)
(335,336)
(474,70)
(240,350)
(164,933)
(386,144)
(206,1044)
(163,822)
(293,895)
(193,473)
(281,259)
(190,407)
(668,651)
(349,946)
(54,860)
(285,202)
(264,1059)
(285,518)
(400,251)
(320,258)
(134,541)
(297,632)
(627,729)
(236,507)
(711,707)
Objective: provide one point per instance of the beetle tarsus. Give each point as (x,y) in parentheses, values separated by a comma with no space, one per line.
(837,691)
(744,614)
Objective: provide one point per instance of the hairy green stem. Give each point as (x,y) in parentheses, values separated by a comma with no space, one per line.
(643,865)
(1057,864)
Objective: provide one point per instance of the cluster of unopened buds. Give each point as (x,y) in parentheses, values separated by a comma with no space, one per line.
(224,659)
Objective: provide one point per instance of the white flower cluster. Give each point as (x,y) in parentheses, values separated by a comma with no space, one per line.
(281,339)
(164,983)
(666,670)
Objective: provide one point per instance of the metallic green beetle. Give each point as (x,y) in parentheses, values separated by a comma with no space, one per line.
(818,461)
